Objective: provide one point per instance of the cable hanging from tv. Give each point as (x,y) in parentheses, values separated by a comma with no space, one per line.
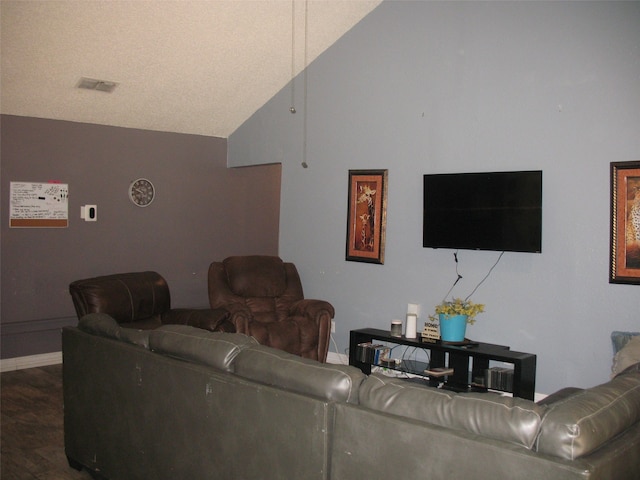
(459,277)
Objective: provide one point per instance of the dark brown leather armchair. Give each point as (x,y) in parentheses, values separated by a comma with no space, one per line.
(141,300)
(265,298)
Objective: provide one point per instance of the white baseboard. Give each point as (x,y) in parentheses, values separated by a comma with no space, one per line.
(338,358)
(539,396)
(32,361)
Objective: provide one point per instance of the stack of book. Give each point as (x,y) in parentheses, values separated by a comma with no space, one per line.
(499,378)
(372,353)
(439,371)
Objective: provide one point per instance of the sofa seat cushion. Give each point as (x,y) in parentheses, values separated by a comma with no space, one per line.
(339,383)
(513,420)
(586,420)
(215,349)
(105,325)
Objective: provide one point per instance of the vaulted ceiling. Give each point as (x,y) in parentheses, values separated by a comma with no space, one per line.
(186,66)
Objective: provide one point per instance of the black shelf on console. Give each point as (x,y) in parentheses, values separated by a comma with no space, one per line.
(457,357)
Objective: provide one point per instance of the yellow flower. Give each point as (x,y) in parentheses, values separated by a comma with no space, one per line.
(457,306)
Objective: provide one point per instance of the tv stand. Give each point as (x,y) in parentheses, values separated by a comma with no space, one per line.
(469,361)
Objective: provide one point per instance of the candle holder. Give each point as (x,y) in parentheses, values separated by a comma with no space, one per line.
(396,328)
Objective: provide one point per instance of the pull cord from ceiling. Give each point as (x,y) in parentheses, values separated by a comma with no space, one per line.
(292,108)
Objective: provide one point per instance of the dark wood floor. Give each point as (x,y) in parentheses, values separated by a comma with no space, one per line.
(32,435)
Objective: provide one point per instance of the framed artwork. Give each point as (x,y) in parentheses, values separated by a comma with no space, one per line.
(367,215)
(625,222)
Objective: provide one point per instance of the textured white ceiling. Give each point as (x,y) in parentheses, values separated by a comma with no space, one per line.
(200,67)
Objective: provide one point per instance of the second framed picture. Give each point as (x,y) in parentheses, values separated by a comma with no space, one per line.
(625,222)
(367,215)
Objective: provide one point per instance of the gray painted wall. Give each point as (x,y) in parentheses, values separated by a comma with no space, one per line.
(203,211)
(429,87)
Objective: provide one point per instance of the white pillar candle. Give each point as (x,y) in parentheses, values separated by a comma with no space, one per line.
(412,323)
(412,308)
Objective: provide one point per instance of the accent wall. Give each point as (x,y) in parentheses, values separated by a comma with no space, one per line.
(438,87)
(203,211)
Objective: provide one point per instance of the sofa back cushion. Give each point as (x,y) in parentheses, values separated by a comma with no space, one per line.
(267,365)
(105,325)
(588,419)
(256,275)
(513,420)
(215,349)
(127,297)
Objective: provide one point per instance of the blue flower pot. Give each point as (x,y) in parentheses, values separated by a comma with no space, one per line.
(452,327)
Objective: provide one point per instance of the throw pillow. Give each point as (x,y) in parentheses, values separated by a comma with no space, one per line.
(629,355)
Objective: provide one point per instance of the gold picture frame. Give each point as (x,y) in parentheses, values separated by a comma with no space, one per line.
(367,216)
(625,222)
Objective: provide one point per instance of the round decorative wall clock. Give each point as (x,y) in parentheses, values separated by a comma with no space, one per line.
(142,192)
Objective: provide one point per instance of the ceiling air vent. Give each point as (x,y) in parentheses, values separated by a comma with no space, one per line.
(100,85)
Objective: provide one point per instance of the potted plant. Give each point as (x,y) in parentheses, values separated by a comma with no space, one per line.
(454,315)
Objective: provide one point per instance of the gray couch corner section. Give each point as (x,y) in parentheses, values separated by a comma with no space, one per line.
(252,412)
(266,365)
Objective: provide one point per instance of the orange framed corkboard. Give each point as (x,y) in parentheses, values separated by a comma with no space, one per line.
(38,205)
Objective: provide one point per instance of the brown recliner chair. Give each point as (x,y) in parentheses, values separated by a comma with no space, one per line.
(141,300)
(265,298)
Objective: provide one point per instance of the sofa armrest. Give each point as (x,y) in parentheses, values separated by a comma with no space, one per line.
(314,309)
(239,316)
(320,313)
(586,420)
(214,320)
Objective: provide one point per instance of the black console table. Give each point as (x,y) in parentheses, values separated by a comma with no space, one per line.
(454,356)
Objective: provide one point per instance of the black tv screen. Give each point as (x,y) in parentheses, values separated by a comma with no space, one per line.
(499,211)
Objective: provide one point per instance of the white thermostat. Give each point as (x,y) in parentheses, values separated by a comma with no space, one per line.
(89,213)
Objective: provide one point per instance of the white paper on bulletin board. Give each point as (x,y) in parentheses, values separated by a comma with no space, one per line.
(39,205)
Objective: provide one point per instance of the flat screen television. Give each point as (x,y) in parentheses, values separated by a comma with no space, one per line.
(499,211)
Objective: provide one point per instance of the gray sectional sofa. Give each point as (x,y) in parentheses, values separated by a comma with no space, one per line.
(183,403)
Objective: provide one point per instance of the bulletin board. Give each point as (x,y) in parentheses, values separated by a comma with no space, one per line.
(39,205)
